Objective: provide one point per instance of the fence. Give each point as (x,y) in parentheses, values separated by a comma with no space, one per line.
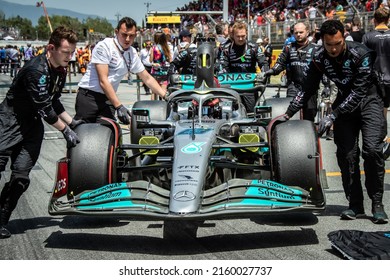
(277,31)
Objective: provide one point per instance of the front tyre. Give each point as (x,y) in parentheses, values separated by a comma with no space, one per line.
(92,161)
(295,154)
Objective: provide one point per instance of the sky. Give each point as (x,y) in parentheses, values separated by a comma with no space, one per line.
(135,9)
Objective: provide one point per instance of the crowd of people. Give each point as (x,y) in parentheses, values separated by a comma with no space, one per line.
(263,11)
(12,58)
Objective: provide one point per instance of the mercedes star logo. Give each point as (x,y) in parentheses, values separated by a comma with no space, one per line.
(184,196)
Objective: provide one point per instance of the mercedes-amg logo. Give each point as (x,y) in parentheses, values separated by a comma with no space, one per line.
(184,196)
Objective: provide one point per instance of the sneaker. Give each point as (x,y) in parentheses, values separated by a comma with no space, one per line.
(352,214)
(4,233)
(379,214)
(329,134)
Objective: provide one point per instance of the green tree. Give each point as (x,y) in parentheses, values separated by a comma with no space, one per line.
(100,25)
(27,31)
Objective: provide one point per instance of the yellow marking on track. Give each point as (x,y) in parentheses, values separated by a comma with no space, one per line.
(337,173)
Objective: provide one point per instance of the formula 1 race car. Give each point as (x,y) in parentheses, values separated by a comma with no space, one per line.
(195,157)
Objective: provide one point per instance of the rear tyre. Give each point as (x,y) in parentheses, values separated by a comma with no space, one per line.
(294,154)
(92,161)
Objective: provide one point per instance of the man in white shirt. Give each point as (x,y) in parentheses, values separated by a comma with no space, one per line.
(144,55)
(112,59)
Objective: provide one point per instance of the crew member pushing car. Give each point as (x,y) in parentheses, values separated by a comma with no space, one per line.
(34,95)
(358,108)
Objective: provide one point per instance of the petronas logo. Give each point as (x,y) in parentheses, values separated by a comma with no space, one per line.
(193,148)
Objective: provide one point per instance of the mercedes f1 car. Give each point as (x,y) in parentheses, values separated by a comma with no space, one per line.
(195,157)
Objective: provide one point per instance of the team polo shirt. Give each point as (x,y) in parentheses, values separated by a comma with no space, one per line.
(106,52)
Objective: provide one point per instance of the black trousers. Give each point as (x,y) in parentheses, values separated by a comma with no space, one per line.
(249,101)
(24,156)
(146,88)
(369,120)
(309,110)
(91,105)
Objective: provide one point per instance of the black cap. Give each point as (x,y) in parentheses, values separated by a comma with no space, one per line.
(184,33)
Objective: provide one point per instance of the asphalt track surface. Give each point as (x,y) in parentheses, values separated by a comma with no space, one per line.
(38,236)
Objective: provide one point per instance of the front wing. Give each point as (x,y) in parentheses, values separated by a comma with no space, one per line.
(235,198)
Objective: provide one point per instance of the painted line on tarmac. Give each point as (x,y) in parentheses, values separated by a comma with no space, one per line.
(337,173)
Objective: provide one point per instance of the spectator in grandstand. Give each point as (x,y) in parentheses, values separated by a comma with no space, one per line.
(330,13)
(294,58)
(379,41)
(312,14)
(369,6)
(339,7)
(112,59)
(238,55)
(357,109)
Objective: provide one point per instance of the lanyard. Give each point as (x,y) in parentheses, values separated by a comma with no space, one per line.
(127,62)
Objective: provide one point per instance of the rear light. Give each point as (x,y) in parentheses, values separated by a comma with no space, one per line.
(61,183)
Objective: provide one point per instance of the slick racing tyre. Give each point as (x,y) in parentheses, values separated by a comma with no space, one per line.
(92,161)
(295,154)
(158,111)
(279,106)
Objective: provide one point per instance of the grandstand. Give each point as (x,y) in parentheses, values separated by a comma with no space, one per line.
(273,18)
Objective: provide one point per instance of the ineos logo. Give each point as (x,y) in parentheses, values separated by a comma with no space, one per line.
(184,196)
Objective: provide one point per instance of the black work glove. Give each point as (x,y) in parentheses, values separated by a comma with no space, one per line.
(75,123)
(123,114)
(325,123)
(71,137)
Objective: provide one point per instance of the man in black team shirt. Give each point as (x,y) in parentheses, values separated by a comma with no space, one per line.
(34,95)
(294,58)
(240,56)
(379,41)
(357,108)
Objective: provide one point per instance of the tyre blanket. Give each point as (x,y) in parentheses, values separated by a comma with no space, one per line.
(360,245)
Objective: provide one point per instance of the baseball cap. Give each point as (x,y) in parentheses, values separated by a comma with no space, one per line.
(259,41)
(184,33)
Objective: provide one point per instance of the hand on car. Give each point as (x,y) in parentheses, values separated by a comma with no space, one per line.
(123,114)
(71,137)
(75,123)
